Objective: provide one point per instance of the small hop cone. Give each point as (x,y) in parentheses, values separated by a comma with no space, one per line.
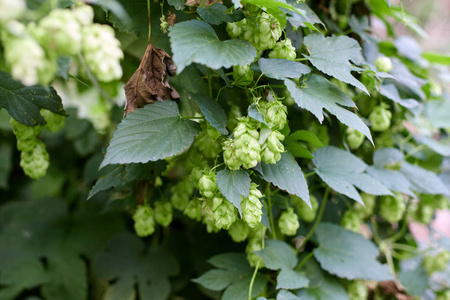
(288,222)
(181,193)
(275,114)
(238,231)
(365,211)
(229,155)
(235,29)
(392,208)
(24,132)
(253,259)
(194,209)
(357,290)
(351,221)
(268,32)
(54,122)
(436,263)
(246,146)
(243,75)
(252,207)
(36,162)
(208,146)
(224,212)
(207,185)
(380,118)
(354,138)
(144,222)
(272,148)
(303,210)
(283,50)
(163,213)
(383,64)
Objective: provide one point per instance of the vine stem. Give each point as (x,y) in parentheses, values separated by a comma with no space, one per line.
(149,21)
(250,288)
(304,260)
(318,219)
(272,224)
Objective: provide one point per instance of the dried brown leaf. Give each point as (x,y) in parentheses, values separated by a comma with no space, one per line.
(150,82)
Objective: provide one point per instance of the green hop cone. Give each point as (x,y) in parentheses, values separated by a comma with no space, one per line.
(36,162)
(207,185)
(144,222)
(209,147)
(424,211)
(27,145)
(238,231)
(351,221)
(181,193)
(54,122)
(10,10)
(392,208)
(255,243)
(249,29)
(357,290)
(83,13)
(441,202)
(275,114)
(246,145)
(235,29)
(252,207)
(383,64)
(354,138)
(229,155)
(213,133)
(380,118)
(267,32)
(303,211)
(243,75)
(283,50)
(272,148)
(24,132)
(163,213)
(288,222)
(367,210)
(194,209)
(436,263)
(224,212)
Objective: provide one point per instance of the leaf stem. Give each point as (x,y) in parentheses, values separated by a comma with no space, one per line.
(301,59)
(269,208)
(304,260)
(310,174)
(250,288)
(149,21)
(209,83)
(318,219)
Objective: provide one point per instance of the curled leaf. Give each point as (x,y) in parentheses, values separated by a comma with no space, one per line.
(150,82)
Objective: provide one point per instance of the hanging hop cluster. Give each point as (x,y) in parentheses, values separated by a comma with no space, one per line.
(354,138)
(31,52)
(243,75)
(380,118)
(288,222)
(283,50)
(392,207)
(144,222)
(163,213)
(181,193)
(252,207)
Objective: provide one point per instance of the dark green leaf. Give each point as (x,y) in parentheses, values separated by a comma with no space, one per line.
(24,103)
(196,41)
(285,295)
(215,14)
(348,254)
(287,175)
(6,156)
(415,281)
(150,133)
(291,279)
(254,113)
(278,255)
(318,94)
(282,68)
(342,171)
(309,17)
(128,16)
(328,289)
(113,179)
(294,146)
(332,56)
(212,111)
(234,185)
(178,4)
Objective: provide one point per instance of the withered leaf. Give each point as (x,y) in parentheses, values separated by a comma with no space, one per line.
(150,82)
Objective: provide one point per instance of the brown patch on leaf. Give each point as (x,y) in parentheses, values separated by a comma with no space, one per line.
(198,2)
(392,288)
(150,82)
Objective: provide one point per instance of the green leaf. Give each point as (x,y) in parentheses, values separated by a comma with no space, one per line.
(415,281)
(114,178)
(212,111)
(125,261)
(24,103)
(282,68)
(348,254)
(63,67)
(178,4)
(234,185)
(291,279)
(332,56)
(196,41)
(327,289)
(6,159)
(273,8)
(393,180)
(438,58)
(234,275)
(390,91)
(127,16)
(437,113)
(287,175)
(362,28)
(309,16)
(150,133)
(318,94)
(342,171)
(423,181)
(293,145)
(216,14)
(286,295)
(254,113)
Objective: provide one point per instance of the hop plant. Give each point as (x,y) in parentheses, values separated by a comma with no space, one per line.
(380,118)
(367,210)
(243,75)
(59,32)
(275,114)
(383,64)
(208,146)
(235,29)
(424,211)
(224,212)
(238,231)
(392,207)
(357,290)
(351,221)
(272,148)
(54,121)
(144,222)
(102,52)
(229,155)
(84,14)
(283,50)
(288,222)
(436,263)
(194,209)
(181,193)
(24,132)
(354,138)
(10,10)
(303,210)
(255,243)
(246,146)
(267,32)
(163,213)
(207,185)
(36,162)
(252,207)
